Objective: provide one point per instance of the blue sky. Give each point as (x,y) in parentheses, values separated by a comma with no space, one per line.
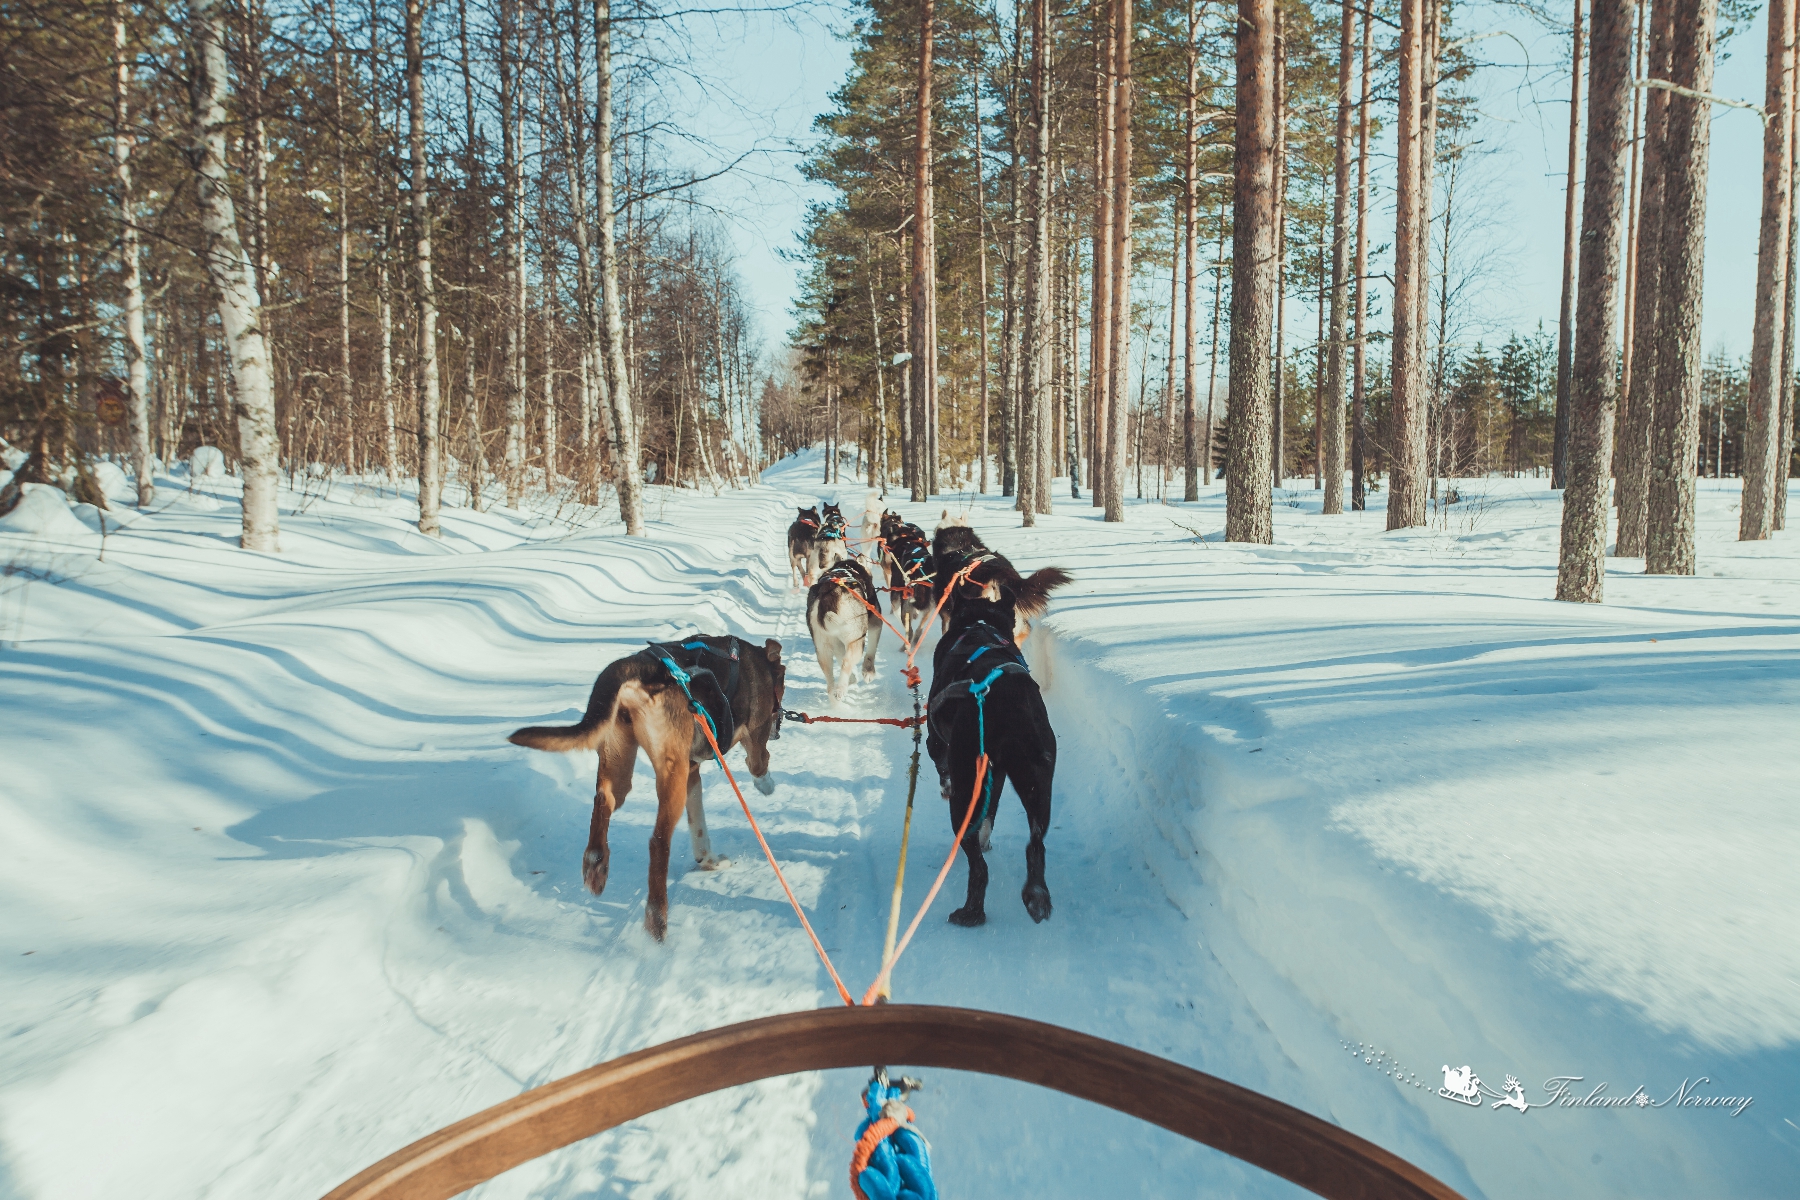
(783,70)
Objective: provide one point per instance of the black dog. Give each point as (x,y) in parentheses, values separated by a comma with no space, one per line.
(983,697)
(910,578)
(803,545)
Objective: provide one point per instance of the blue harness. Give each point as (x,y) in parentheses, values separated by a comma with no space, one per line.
(1006,660)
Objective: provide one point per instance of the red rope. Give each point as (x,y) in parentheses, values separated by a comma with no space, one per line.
(900,722)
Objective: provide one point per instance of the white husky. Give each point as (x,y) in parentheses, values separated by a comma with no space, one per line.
(871,528)
(842,627)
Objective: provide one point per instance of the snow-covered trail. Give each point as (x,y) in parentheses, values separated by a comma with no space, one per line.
(279,898)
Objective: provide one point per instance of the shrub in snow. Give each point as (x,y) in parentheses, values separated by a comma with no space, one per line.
(11,456)
(43,512)
(207,462)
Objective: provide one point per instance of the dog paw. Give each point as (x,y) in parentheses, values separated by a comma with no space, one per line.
(868,674)
(712,862)
(656,922)
(764,784)
(1037,901)
(969,917)
(593,872)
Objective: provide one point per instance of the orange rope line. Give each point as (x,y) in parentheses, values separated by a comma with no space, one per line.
(825,958)
(981,766)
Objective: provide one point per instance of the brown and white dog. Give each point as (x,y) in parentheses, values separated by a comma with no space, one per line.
(842,626)
(636,703)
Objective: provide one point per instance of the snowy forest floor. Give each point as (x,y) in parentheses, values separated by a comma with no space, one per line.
(277,897)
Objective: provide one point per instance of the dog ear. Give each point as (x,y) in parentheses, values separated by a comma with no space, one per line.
(772,651)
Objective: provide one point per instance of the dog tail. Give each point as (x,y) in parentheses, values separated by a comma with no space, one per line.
(585,734)
(1033,593)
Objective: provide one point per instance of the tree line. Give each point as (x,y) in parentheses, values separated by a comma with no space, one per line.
(1029,200)
(451,243)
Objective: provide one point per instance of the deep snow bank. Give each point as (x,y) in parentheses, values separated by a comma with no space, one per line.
(1415,807)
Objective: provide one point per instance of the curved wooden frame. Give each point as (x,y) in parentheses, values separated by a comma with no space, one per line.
(1278,1138)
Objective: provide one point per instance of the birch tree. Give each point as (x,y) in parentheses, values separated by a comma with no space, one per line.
(630,477)
(431,481)
(137,376)
(233,282)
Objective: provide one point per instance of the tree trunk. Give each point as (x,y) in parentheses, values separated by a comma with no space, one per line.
(1565,332)
(1631,226)
(922,366)
(137,377)
(1359,367)
(1247,497)
(982,305)
(1784,456)
(1035,338)
(1043,296)
(1669,535)
(1121,261)
(1278,424)
(384,155)
(612,328)
(1406,491)
(1190,189)
(1100,371)
(1762,425)
(233,282)
(1212,354)
(512,221)
(430,468)
(1633,451)
(1593,394)
(475,457)
(1331,464)
(878,445)
(1431,380)
(346,386)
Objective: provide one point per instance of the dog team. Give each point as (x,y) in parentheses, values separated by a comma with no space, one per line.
(664,698)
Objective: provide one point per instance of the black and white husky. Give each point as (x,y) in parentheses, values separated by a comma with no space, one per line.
(842,625)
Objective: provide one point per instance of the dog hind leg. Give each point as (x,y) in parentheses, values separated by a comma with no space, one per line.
(618,756)
(962,755)
(1033,773)
(704,857)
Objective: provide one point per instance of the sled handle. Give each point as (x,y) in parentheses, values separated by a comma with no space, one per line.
(1277,1137)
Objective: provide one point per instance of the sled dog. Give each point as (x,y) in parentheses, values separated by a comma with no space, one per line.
(871,531)
(842,628)
(954,547)
(983,696)
(834,545)
(803,545)
(638,702)
(909,571)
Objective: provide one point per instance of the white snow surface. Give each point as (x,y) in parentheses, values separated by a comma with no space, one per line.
(278,898)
